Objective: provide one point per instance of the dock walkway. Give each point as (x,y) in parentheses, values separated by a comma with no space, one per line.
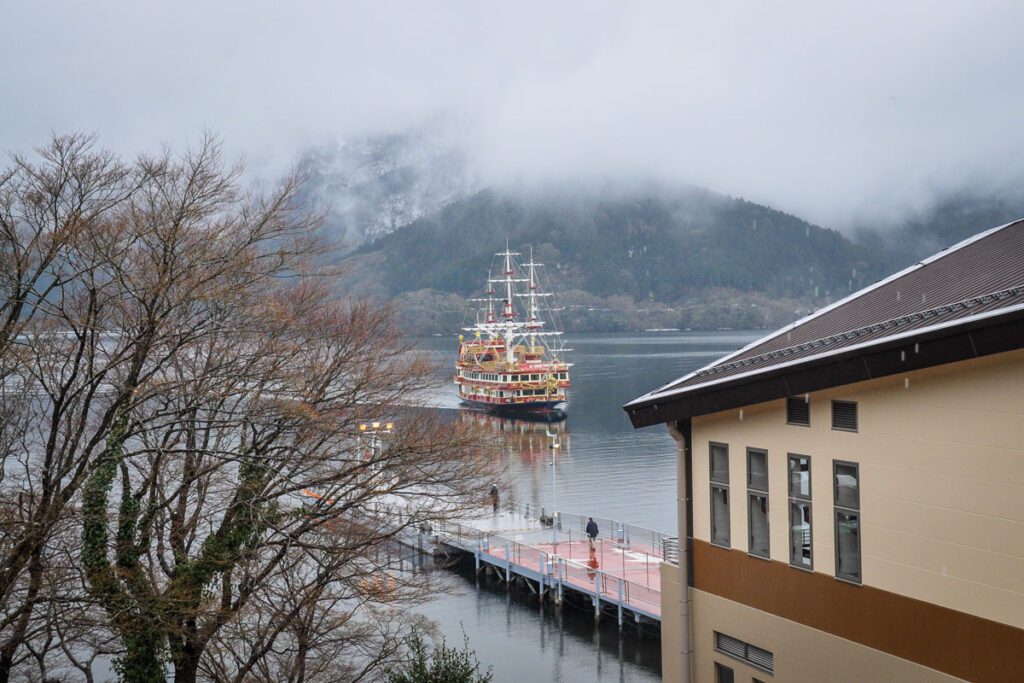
(620,573)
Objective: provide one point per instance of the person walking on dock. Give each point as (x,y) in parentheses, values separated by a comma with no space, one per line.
(592,532)
(494,497)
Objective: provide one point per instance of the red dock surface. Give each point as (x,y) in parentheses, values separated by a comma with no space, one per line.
(636,564)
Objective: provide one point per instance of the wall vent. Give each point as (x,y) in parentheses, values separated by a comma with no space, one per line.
(844,415)
(745,652)
(798,411)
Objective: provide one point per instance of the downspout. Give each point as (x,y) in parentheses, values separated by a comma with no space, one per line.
(682,435)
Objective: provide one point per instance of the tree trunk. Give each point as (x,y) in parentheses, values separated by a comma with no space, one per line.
(186,662)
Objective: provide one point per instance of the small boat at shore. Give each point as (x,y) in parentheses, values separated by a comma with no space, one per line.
(514,365)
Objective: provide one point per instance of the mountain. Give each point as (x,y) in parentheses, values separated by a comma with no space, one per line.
(954,217)
(418,229)
(372,185)
(650,253)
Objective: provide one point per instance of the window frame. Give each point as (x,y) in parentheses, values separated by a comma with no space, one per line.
(835,483)
(753,493)
(711,462)
(838,509)
(750,484)
(722,485)
(795,499)
(751,496)
(790,457)
(728,518)
(794,504)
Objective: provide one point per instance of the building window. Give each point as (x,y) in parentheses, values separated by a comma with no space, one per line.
(846,478)
(800,539)
(745,652)
(844,415)
(798,411)
(757,469)
(724,674)
(757,502)
(719,463)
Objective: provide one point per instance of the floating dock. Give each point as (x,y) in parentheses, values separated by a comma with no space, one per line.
(620,573)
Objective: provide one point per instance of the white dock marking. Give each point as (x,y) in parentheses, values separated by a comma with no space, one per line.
(639,557)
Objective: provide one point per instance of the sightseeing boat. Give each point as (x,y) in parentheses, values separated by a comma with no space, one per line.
(513,365)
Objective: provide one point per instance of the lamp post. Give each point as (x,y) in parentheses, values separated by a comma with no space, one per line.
(553,446)
(374,429)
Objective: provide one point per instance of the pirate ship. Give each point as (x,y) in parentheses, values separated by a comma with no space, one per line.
(513,365)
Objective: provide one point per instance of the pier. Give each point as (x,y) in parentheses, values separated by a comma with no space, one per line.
(620,575)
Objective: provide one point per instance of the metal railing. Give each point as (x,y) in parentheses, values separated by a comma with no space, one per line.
(575,574)
(614,530)
(670,549)
(564,570)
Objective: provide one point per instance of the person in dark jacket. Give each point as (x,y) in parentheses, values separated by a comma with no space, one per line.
(494,497)
(592,531)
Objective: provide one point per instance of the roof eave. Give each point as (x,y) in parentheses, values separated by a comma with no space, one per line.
(653,396)
(972,338)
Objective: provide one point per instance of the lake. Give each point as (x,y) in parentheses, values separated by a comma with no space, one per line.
(603,468)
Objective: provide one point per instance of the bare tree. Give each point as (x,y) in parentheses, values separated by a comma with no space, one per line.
(186,396)
(49,369)
(254,475)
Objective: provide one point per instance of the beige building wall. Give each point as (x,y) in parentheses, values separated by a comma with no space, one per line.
(941,454)
(801,653)
(671,637)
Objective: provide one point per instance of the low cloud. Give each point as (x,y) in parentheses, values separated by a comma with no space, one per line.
(838,112)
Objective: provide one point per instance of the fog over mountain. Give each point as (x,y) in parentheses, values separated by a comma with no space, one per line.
(846,114)
(367,187)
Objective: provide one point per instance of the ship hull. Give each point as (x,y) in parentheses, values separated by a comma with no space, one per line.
(513,409)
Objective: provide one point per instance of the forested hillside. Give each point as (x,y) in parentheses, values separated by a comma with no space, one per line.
(652,255)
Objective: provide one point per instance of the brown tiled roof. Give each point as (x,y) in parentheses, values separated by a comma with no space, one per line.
(976,280)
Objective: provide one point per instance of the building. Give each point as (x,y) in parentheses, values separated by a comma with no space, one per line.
(852,486)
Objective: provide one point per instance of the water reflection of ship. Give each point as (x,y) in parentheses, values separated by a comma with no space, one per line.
(529,438)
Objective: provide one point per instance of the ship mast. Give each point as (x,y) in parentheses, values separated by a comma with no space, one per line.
(533,323)
(509,313)
(490,300)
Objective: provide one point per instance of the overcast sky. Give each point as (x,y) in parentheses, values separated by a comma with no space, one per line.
(831,110)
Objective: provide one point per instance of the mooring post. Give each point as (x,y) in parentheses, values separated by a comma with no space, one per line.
(508,564)
(561,576)
(597,596)
(620,604)
(476,556)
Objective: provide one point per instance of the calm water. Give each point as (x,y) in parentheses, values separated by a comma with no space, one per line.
(604,468)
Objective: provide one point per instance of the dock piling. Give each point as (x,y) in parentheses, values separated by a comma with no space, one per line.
(620,603)
(540,581)
(561,577)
